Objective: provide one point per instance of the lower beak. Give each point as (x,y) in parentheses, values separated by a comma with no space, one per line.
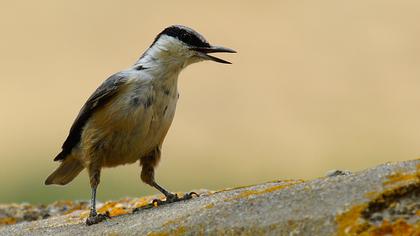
(214,49)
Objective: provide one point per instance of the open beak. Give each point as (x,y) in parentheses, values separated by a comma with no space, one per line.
(213,49)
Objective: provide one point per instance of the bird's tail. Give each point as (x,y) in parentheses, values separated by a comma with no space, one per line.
(66,172)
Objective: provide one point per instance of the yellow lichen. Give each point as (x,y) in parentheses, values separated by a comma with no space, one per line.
(209,206)
(169,222)
(158,234)
(75,208)
(248,193)
(173,222)
(248,186)
(399,177)
(371,195)
(178,231)
(84,214)
(141,203)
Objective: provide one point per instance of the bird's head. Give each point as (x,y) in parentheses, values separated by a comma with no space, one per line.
(181,46)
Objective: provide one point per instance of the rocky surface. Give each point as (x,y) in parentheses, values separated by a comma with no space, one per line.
(378,201)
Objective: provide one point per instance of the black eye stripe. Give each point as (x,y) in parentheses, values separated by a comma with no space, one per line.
(184,34)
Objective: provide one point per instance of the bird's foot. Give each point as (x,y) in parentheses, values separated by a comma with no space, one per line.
(97,218)
(170,198)
(173,197)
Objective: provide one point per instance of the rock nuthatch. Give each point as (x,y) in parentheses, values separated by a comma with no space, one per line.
(126,119)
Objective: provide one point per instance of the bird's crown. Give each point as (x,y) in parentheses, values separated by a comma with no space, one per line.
(185,35)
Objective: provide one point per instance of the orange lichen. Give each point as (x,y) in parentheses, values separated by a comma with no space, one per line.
(7,221)
(122,206)
(347,222)
(399,227)
(354,221)
(350,223)
(107,206)
(114,209)
(118,211)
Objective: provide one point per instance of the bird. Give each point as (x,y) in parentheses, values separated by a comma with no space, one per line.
(128,116)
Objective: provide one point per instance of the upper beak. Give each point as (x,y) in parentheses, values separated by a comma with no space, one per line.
(214,49)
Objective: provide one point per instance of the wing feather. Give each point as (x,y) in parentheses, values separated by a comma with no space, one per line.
(108,89)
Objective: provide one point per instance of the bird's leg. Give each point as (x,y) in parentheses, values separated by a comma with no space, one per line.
(147,175)
(93,202)
(94,217)
(170,197)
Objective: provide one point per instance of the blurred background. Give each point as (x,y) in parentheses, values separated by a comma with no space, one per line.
(315,86)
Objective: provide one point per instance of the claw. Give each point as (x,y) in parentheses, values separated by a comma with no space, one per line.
(157,202)
(171,198)
(97,218)
(191,195)
(154,203)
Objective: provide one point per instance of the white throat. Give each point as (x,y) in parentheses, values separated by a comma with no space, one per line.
(167,52)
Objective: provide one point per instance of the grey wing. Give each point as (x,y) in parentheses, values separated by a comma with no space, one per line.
(99,98)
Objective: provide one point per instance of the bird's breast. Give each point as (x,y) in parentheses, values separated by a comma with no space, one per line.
(132,124)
